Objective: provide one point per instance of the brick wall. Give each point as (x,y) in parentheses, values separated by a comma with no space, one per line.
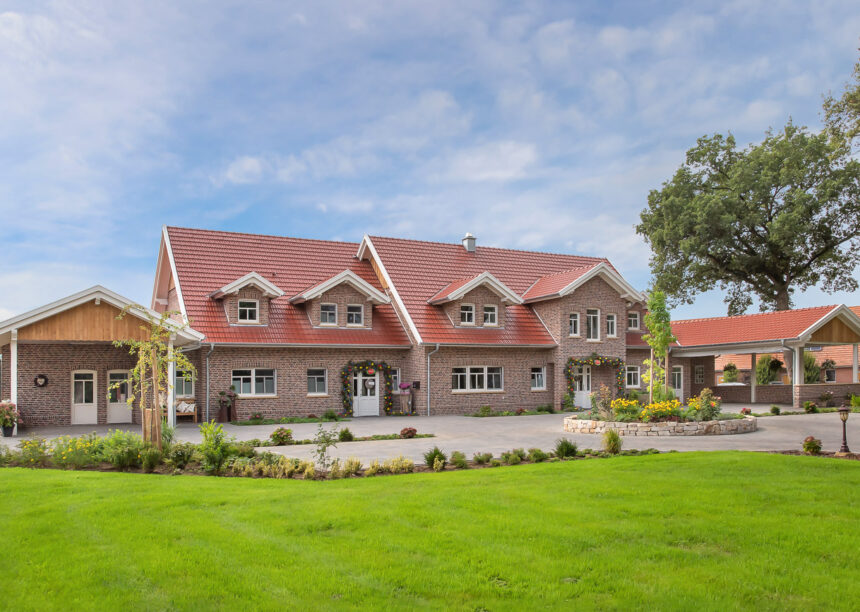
(812,393)
(51,405)
(231,305)
(517,364)
(478,297)
(765,394)
(291,365)
(343,295)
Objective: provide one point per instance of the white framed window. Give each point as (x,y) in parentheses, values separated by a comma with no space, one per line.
(84,388)
(477,378)
(249,311)
(317,381)
(539,379)
(395,379)
(611,328)
(458,379)
(355,314)
(328,314)
(573,324)
(255,382)
(678,380)
(699,374)
(632,378)
(592,324)
(183,383)
(491,315)
(467,314)
(117,386)
(632,320)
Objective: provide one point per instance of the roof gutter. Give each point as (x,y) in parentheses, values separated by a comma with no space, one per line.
(430,354)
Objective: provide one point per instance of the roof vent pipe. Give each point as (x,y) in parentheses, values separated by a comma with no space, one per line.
(469,242)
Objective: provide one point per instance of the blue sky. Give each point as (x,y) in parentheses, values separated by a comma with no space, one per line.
(536,125)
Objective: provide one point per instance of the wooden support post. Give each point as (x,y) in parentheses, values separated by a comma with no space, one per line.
(854,377)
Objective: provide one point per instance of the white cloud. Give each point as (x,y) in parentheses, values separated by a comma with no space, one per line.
(494,161)
(243,170)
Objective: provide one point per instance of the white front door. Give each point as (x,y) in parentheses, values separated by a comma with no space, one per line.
(118,411)
(582,397)
(84,406)
(365,395)
(678,382)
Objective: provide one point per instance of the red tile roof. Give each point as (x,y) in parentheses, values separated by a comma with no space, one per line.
(551,284)
(207,260)
(419,269)
(452,287)
(842,355)
(748,328)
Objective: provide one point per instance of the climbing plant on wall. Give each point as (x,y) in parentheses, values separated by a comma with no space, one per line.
(595,360)
(368,368)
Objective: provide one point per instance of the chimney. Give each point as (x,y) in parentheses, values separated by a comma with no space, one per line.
(469,242)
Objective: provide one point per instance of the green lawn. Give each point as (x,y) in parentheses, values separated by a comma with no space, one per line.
(705,531)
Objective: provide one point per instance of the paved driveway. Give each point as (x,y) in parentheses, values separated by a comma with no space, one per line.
(497,434)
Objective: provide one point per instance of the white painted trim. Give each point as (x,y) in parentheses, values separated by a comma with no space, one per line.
(543,376)
(625,289)
(638,377)
(328,324)
(615,324)
(366,243)
(349,277)
(96,292)
(854,374)
(486,377)
(175,274)
(269,289)
(325,380)
(462,323)
(13,371)
(638,321)
(484,278)
(484,315)
(254,382)
(161,249)
(599,323)
(542,322)
(578,333)
(348,324)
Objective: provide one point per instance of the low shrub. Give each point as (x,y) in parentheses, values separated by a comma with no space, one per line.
(826,399)
(180,455)
(345,435)
(281,436)
(373,469)
(150,458)
(458,460)
(75,453)
(484,411)
(351,467)
(408,432)
(810,407)
(547,408)
(511,458)
(401,465)
(432,455)
(564,448)
(520,411)
(569,402)
(34,452)
(495,463)
(774,409)
(438,464)
(854,401)
(256,416)
(536,455)
(214,448)
(330,415)
(612,442)
(242,449)
(122,449)
(659,411)
(309,471)
(746,411)
(811,445)
(482,458)
(708,406)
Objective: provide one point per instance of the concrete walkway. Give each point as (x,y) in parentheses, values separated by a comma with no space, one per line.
(497,434)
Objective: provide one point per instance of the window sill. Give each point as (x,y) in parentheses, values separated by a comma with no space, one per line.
(468,391)
(466,324)
(328,324)
(611,337)
(317,395)
(359,325)
(538,390)
(593,340)
(574,336)
(247,322)
(257,396)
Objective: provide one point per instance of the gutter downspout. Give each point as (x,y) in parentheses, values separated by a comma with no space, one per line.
(211,350)
(430,354)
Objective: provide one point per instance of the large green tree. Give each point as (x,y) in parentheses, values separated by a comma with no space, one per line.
(759,222)
(842,114)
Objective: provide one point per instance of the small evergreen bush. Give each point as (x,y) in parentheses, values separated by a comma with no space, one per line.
(564,448)
(345,435)
(612,442)
(536,455)
(774,409)
(150,458)
(482,458)
(458,460)
(432,455)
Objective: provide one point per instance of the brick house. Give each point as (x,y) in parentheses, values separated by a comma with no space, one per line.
(301,327)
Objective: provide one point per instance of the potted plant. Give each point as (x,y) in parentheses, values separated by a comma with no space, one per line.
(9,417)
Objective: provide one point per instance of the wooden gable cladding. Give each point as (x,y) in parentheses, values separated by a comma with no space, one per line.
(835,331)
(86,323)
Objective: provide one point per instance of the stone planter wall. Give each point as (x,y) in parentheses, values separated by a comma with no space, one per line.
(703,428)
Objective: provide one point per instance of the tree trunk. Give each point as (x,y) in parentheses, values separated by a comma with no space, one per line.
(783,300)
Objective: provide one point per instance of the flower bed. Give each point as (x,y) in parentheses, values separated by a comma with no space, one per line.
(664,428)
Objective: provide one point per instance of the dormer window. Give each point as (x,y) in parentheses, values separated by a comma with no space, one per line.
(355,314)
(328,314)
(491,315)
(467,314)
(249,311)
(632,320)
